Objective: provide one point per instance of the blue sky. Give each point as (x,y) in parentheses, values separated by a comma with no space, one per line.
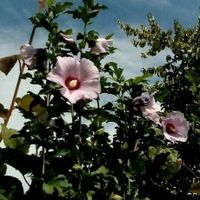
(15,29)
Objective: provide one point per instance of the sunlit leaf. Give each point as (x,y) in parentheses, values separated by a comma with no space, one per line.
(50,2)
(47,188)
(25,101)
(100,170)
(38,110)
(116,197)
(90,195)
(78,167)
(59,183)
(2,197)
(11,141)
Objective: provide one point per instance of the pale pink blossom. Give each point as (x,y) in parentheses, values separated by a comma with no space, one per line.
(41,4)
(67,38)
(175,127)
(148,106)
(101,46)
(79,80)
(27,52)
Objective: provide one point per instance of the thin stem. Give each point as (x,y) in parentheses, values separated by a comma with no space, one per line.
(26,180)
(190,170)
(98,102)
(72,112)
(98,106)
(18,83)
(84,31)
(48,99)
(80,124)
(43,160)
(14,95)
(32,35)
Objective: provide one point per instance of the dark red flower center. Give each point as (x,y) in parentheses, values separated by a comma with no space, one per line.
(72,83)
(170,128)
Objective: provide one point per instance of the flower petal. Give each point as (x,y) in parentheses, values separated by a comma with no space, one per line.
(178,120)
(72,95)
(91,89)
(27,52)
(101,46)
(65,66)
(152,115)
(85,72)
(88,71)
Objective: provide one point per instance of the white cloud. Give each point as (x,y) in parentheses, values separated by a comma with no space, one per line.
(147,3)
(129,58)
(153,3)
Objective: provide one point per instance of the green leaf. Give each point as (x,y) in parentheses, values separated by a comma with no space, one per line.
(3,111)
(39,110)
(60,183)
(7,63)
(2,197)
(47,188)
(50,3)
(25,101)
(3,169)
(90,194)
(77,167)
(195,188)
(12,142)
(10,188)
(101,170)
(152,152)
(60,7)
(115,197)
(20,161)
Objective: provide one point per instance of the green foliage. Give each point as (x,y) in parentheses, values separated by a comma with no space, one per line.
(12,140)
(178,88)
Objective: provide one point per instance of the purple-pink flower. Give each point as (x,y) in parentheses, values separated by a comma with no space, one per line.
(27,52)
(101,46)
(175,127)
(148,106)
(79,80)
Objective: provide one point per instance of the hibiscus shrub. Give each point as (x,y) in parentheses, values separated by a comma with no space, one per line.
(90,133)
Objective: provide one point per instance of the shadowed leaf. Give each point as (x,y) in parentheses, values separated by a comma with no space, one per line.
(195,188)
(3,111)
(7,63)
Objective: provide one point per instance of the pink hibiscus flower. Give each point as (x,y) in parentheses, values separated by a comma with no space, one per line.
(148,106)
(27,52)
(79,80)
(175,127)
(101,46)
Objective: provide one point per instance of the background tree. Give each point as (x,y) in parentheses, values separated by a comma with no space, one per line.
(178,89)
